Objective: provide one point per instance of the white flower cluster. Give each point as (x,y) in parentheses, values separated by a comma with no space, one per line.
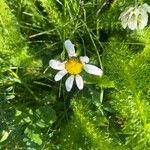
(135,17)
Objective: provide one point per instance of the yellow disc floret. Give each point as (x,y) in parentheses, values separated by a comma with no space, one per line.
(73,66)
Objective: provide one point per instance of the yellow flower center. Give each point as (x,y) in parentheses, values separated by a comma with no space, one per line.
(73,66)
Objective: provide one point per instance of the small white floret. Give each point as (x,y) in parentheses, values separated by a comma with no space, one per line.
(135,17)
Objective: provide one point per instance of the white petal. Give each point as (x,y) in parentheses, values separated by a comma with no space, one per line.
(142,19)
(79,82)
(70,48)
(93,70)
(69,83)
(60,75)
(124,16)
(57,65)
(146,7)
(124,21)
(126,12)
(132,21)
(84,59)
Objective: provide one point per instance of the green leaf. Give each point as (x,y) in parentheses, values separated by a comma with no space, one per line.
(5,135)
(103,81)
(46,115)
(34,137)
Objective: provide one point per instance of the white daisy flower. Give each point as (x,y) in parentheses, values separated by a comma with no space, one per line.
(73,66)
(135,17)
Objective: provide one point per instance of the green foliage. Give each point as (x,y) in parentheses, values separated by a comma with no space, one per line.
(110,113)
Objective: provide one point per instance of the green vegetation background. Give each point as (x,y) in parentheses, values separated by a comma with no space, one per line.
(36,113)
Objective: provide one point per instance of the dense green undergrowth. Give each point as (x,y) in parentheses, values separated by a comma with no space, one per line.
(36,113)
